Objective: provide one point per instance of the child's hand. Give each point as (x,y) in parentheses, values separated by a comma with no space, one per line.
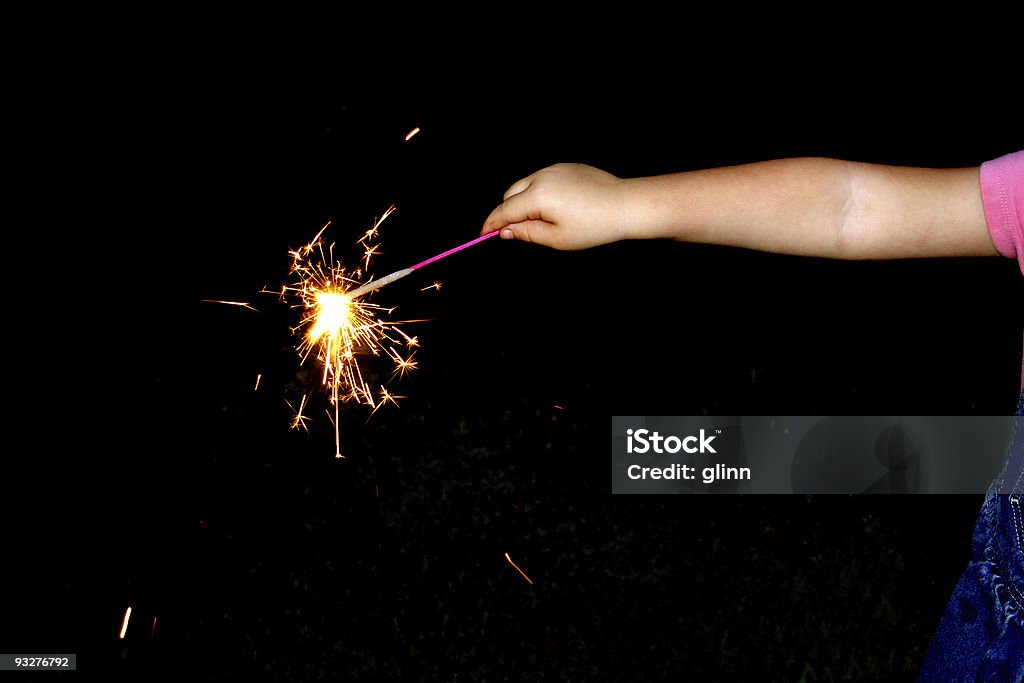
(565,206)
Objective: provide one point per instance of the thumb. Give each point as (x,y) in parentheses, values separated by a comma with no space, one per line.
(536,231)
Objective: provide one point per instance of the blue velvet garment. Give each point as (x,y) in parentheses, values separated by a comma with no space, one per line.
(981,634)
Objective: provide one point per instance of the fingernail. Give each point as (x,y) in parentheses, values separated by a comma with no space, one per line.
(506,233)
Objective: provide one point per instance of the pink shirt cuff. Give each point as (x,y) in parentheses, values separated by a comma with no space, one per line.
(1002,193)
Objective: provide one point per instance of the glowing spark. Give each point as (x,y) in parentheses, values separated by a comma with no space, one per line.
(372,232)
(436,287)
(152,631)
(258,377)
(412,133)
(124,624)
(370,253)
(330,418)
(387,397)
(558,406)
(409,341)
(403,365)
(518,569)
(299,420)
(241,304)
(316,238)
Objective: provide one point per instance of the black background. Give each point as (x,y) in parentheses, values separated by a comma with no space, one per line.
(150,473)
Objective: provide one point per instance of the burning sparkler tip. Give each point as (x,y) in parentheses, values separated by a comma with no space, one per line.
(339,325)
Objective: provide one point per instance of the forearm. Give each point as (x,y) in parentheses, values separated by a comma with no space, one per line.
(816,207)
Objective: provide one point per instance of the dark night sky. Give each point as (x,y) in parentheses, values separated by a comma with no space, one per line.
(170,478)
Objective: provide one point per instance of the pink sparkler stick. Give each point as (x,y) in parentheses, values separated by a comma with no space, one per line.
(399,274)
(440,256)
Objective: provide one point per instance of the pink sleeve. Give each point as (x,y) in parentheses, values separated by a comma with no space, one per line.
(1002,193)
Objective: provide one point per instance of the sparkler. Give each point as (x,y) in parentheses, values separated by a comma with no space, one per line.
(339,325)
(336,328)
(399,274)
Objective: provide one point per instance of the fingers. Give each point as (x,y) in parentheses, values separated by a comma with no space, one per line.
(499,219)
(519,186)
(518,208)
(521,215)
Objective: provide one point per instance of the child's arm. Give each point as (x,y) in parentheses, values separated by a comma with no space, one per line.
(815,207)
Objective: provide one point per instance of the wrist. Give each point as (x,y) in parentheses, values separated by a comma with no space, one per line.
(643,210)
